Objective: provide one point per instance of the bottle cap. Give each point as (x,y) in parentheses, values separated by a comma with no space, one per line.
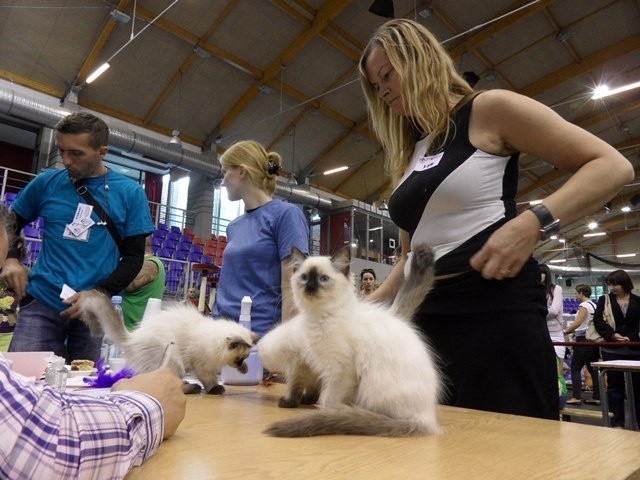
(116,299)
(57,361)
(245,305)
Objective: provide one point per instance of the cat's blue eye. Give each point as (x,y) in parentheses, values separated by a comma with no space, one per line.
(324,278)
(304,277)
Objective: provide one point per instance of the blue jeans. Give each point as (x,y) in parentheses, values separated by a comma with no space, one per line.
(41,329)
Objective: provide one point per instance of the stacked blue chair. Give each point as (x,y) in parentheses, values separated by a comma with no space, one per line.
(32,243)
(30,231)
(173,236)
(156,243)
(165,256)
(9,197)
(177,267)
(172,283)
(195,257)
(181,246)
(174,229)
(182,255)
(170,245)
(38,224)
(162,234)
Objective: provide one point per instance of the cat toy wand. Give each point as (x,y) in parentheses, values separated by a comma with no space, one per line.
(166,355)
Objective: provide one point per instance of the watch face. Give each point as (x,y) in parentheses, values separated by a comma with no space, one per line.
(550,229)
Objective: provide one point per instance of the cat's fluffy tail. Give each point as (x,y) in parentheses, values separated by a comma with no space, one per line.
(98,313)
(417,284)
(349,420)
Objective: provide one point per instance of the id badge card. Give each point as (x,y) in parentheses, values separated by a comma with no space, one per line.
(79,228)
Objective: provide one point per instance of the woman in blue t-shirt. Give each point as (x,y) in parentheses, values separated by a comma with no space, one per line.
(256,259)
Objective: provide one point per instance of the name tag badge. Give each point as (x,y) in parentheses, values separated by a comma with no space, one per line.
(427,162)
(79,229)
(80,226)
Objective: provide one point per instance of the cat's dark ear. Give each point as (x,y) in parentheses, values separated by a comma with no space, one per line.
(297,257)
(341,260)
(236,342)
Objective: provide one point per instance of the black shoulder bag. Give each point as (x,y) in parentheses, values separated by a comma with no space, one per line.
(83,191)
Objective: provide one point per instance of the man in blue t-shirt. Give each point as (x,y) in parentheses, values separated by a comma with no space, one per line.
(80,250)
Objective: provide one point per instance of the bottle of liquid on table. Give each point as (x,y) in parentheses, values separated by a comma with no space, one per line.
(56,374)
(109,350)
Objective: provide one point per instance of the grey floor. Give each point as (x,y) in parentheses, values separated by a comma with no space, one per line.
(596,408)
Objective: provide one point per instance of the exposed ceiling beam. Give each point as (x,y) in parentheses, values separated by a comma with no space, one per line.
(90,62)
(186,63)
(588,63)
(329,10)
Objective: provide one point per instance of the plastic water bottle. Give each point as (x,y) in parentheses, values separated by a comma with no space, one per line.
(109,350)
(116,301)
(56,374)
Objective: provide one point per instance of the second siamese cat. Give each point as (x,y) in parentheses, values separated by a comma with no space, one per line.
(373,372)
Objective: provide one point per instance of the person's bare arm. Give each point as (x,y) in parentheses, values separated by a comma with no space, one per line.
(16,275)
(504,122)
(288,307)
(146,275)
(388,289)
(581,316)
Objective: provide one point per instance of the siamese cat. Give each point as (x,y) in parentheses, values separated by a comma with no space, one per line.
(202,345)
(377,374)
(284,350)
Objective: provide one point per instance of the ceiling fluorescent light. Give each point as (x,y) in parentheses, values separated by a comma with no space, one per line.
(559,260)
(120,17)
(594,234)
(201,52)
(99,71)
(375,228)
(623,255)
(535,202)
(335,170)
(426,12)
(604,91)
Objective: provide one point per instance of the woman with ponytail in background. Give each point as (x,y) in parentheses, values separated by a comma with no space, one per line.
(256,259)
